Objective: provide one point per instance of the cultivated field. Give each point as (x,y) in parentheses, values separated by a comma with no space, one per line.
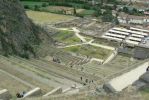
(46,18)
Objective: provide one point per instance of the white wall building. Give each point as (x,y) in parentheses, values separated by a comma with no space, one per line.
(131,19)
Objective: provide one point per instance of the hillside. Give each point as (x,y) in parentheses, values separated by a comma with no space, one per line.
(18,35)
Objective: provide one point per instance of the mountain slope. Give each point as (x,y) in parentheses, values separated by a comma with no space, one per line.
(18,34)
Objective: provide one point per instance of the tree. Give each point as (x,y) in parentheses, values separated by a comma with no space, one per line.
(107,16)
(44,4)
(125,9)
(75,12)
(97,12)
(134,11)
(26,7)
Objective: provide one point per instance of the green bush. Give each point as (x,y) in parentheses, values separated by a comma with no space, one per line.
(26,7)
(37,8)
(44,5)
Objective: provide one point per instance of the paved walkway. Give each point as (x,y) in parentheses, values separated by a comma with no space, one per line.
(96,59)
(102,46)
(72,45)
(78,35)
(114,53)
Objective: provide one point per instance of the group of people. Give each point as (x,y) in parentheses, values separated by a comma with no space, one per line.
(86,81)
(20,95)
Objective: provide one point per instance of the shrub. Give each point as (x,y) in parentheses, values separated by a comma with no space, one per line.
(44,4)
(37,8)
(26,7)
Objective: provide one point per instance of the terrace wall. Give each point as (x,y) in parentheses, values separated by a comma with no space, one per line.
(121,82)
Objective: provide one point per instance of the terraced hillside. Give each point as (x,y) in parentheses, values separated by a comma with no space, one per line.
(38,73)
(117,66)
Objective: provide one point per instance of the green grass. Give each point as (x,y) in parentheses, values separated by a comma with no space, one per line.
(58,9)
(44,17)
(66,37)
(91,51)
(39,3)
(31,4)
(87,12)
(145,93)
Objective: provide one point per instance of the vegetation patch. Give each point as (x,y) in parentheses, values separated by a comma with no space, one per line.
(33,4)
(86,12)
(44,17)
(145,93)
(66,37)
(106,42)
(90,51)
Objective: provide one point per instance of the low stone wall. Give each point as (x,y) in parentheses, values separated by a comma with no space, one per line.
(119,83)
(34,92)
(5,95)
(53,92)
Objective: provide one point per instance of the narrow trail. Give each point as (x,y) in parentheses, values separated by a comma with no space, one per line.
(78,35)
(82,38)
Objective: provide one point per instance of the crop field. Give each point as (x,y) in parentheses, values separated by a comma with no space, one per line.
(66,37)
(90,51)
(46,18)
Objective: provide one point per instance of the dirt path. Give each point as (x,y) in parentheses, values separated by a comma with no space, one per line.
(102,46)
(78,35)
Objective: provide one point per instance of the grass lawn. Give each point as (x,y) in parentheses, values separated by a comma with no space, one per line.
(145,93)
(66,37)
(45,18)
(91,51)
